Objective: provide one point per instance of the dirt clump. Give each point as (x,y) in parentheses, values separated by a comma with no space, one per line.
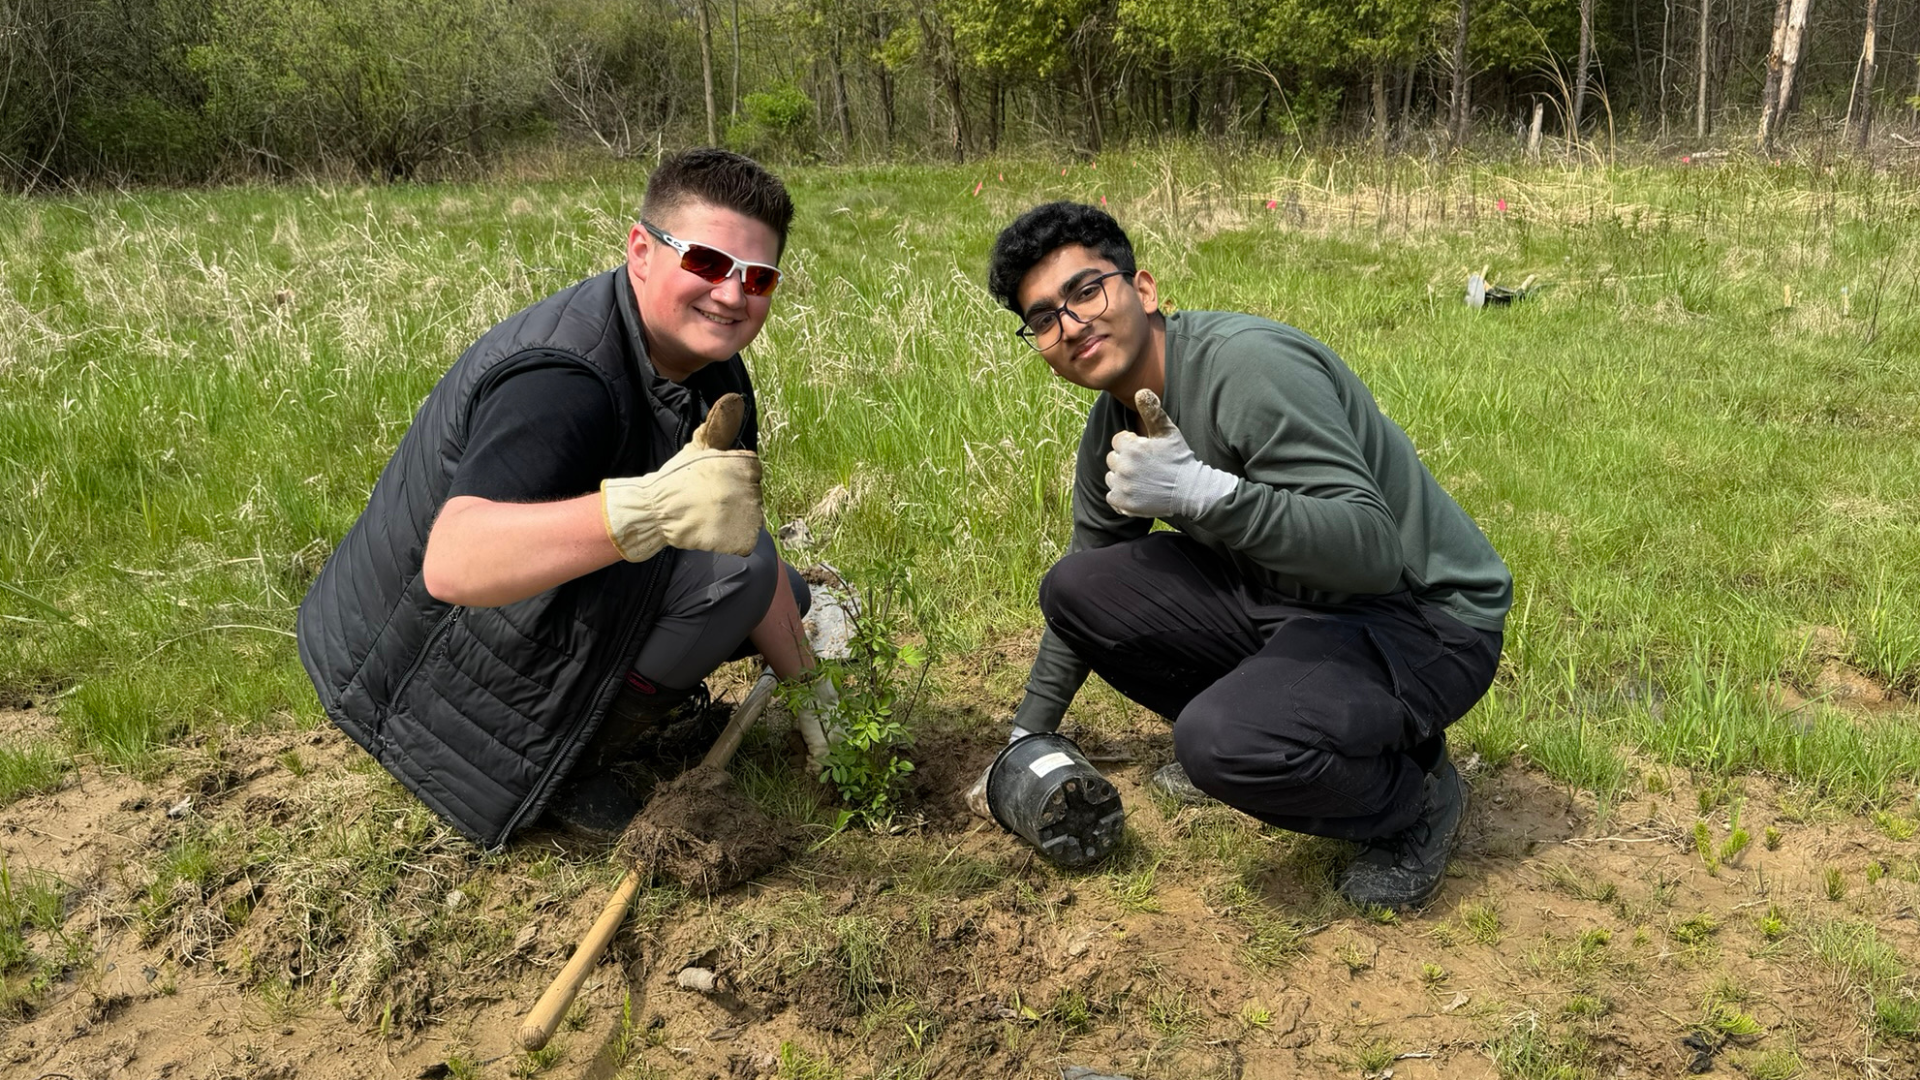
(699,831)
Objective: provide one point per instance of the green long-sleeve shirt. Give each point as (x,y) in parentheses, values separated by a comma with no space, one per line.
(1333,502)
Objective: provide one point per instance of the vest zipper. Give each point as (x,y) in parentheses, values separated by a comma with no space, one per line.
(433,638)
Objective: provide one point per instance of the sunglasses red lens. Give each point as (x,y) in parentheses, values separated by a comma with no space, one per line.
(706,263)
(760,280)
(713,265)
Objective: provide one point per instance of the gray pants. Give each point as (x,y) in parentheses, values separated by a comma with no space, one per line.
(713,602)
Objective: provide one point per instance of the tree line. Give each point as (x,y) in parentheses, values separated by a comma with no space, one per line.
(192,90)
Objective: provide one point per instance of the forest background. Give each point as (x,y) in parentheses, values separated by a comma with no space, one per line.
(197,91)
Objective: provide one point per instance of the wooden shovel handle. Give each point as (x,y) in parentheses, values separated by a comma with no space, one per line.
(552,1005)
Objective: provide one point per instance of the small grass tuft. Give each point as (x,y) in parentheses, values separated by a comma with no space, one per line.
(1374,1058)
(1171,1014)
(1481,923)
(1895,826)
(1695,931)
(1586,1007)
(1578,884)
(1071,1010)
(1773,925)
(1896,1015)
(30,770)
(797,1063)
(1355,956)
(1528,1050)
(535,1062)
(1771,1065)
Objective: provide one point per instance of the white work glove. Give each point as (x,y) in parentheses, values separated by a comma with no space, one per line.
(977,794)
(1156,475)
(705,498)
(820,727)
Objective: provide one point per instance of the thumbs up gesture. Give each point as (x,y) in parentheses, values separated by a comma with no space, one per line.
(1156,475)
(706,497)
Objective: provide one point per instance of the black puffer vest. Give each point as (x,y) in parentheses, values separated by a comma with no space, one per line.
(481,711)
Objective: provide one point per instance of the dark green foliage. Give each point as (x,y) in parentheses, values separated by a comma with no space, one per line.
(390,85)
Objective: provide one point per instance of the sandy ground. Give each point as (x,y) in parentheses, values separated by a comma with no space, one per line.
(973,986)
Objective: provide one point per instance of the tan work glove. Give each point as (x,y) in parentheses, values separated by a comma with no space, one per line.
(705,498)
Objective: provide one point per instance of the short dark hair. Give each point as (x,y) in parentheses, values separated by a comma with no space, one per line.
(1045,229)
(719,178)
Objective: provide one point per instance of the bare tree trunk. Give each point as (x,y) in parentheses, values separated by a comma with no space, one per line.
(1639,63)
(1860,109)
(1666,36)
(1405,113)
(1533,131)
(1582,63)
(996,117)
(842,111)
(1770,92)
(1380,105)
(878,33)
(736,59)
(1457,124)
(948,62)
(1790,58)
(1093,105)
(706,69)
(957,97)
(1700,91)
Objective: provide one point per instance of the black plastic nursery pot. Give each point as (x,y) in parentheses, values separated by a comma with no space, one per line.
(1042,789)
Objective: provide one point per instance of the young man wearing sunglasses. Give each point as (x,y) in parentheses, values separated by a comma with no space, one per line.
(570,535)
(1322,609)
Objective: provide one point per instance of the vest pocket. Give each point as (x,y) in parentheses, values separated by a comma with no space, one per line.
(435,639)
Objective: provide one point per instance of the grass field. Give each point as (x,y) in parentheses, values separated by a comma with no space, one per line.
(1695,444)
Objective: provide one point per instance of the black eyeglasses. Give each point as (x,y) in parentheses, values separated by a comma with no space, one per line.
(1043,326)
(714,266)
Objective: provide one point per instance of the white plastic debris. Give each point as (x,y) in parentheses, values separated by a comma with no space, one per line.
(698,978)
(829,622)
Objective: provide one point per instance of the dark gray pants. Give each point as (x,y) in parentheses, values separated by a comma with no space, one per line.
(713,602)
(1319,719)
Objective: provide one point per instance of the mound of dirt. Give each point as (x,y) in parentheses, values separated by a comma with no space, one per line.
(699,831)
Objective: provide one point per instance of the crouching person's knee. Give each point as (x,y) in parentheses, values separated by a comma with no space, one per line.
(746,585)
(1199,747)
(1071,593)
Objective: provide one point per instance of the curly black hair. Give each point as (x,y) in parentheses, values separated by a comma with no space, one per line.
(1045,229)
(719,178)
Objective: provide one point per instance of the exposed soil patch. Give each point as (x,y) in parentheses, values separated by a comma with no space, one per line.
(1599,938)
(20,725)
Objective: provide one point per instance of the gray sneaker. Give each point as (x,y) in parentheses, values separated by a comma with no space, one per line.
(1171,780)
(1407,869)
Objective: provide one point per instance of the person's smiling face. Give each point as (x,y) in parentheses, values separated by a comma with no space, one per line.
(1105,352)
(691,323)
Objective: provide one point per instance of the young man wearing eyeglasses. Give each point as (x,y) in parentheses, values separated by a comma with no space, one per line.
(1322,609)
(570,535)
